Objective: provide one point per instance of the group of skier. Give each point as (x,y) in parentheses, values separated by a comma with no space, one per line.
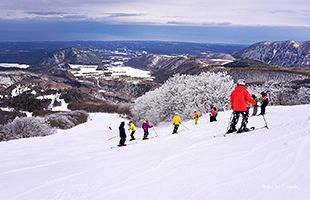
(132,128)
(240,101)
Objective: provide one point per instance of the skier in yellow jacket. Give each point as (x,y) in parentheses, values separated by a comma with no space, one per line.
(176,120)
(133,129)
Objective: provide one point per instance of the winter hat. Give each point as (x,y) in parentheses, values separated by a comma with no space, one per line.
(241,82)
(263,93)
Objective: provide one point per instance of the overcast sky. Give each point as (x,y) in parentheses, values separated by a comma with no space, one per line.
(15,15)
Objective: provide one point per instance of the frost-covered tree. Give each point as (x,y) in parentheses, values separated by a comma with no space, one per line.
(66,120)
(304,95)
(25,127)
(273,89)
(283,93)
(183,94)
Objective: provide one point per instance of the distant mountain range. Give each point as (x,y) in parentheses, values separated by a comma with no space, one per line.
(33,52)
(283,53)
(257,57)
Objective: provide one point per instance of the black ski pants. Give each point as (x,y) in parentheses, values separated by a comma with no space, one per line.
(212,118)
(131,135)
(263,109)
(175,129)
(122,141)
(146,133)
(235,119)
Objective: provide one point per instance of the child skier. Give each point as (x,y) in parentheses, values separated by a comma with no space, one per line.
(239,99)
(122,134)
(196,117)
(145,127)
(264,104)
(213,113)
(133,129)
(176,120)
(255,105)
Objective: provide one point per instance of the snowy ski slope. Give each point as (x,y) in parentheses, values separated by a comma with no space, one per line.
(79,164)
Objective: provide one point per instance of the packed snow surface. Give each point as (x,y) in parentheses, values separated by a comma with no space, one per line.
(79,164)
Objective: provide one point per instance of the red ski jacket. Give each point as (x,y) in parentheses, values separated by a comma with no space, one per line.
(239,99)
(213,112)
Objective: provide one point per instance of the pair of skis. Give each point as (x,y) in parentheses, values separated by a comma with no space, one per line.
(133,142)
(234,133)
(117,146)
(250,129)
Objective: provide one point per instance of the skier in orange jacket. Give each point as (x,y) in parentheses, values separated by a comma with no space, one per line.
(196,117)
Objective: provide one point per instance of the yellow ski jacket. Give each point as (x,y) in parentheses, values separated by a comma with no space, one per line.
(176,120)
(132,127)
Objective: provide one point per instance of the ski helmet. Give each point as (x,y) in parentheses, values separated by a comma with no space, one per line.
(241,82)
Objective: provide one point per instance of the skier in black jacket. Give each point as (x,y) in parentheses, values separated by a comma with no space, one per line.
(122,134)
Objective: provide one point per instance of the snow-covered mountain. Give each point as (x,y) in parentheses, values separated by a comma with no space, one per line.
(164,66)
(80,164)
(69,55)
(158,62)
(283,53)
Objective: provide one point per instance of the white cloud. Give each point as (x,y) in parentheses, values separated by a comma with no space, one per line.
(204,12)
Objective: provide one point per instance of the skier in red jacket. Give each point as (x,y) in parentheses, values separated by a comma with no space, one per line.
(239,99)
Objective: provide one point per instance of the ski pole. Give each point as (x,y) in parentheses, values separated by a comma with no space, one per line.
(185,126)
(112,137)
(155,131)
(231,116)
(265,121)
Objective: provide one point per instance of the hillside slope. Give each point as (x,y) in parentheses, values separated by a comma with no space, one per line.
(80,164)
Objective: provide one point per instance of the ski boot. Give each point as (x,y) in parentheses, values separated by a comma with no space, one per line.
(241,130)
(231,130)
